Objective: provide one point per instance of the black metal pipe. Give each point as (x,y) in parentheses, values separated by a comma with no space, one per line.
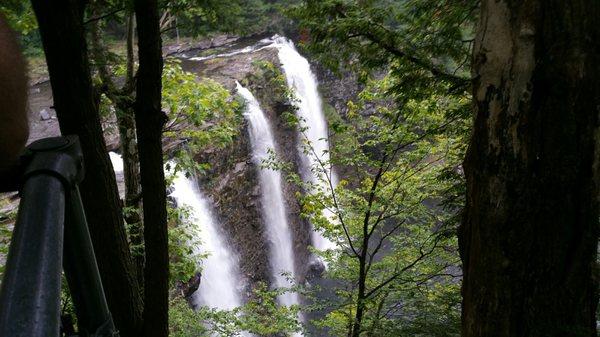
(51,208)
(82,273)
(30,294)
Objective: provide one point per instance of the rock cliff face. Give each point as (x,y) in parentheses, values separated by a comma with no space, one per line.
(232,183)
(337,89)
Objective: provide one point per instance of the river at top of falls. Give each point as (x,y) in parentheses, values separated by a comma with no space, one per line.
(220,281)
(273,205)
(314,151)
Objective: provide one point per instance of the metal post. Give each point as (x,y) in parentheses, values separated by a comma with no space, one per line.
(81,269)
(30,295)
(50,208)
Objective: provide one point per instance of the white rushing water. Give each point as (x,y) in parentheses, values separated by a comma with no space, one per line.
(316,167)
(221,282)
(116,161)
(273,206)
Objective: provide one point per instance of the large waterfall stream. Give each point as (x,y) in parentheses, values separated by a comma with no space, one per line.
(273,205)
(315,148)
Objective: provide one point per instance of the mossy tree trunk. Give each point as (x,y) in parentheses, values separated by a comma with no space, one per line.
(530,229)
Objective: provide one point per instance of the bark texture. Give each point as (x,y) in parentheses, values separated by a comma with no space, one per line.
(62,32)
(530,229)
(150,120)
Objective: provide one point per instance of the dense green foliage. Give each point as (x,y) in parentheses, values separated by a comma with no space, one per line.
(190,17)
(183,245)
(200,17)
(427,39)
(262,316)
(19,15)
(200,112)
(388,222)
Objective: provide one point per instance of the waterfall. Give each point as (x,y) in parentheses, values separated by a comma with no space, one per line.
(303,82)
(116,161)
(220,283)
(273,206)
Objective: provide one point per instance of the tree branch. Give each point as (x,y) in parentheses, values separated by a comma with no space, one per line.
(103,16)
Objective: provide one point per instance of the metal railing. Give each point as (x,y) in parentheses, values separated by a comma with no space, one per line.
(50,234)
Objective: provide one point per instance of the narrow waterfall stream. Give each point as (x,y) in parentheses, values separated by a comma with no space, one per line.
(273,206)
(221,282)
(303,82)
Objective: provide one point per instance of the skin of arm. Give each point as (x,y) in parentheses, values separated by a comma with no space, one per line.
(14,128)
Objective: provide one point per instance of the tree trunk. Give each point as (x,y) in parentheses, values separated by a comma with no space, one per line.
(530,228)
(61,29)
(360,296)
(150,120)
(122,100)
(130,156)
(14,128)
(131,177)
